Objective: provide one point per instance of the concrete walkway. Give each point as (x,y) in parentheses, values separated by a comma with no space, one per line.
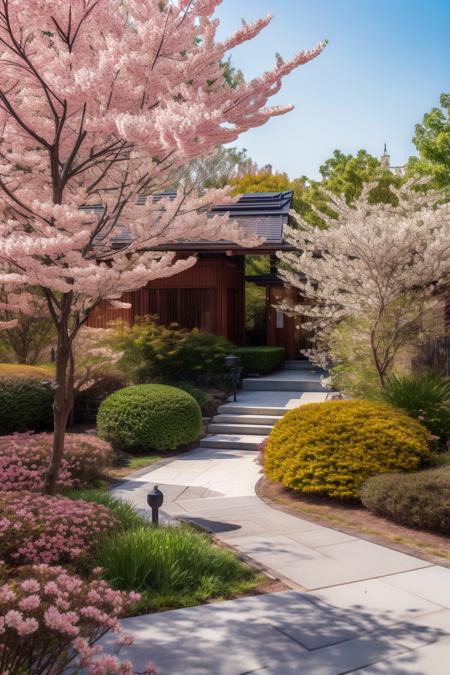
(357,606)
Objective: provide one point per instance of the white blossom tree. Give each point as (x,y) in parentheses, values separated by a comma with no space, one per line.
(101,100)
(378,265)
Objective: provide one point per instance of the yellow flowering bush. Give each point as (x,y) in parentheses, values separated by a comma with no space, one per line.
(331,448)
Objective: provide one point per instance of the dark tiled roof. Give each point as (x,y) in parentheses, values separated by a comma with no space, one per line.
(262,213)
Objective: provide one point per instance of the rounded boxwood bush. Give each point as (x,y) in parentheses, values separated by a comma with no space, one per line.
(420,499)
(149,417)
(25,405)
(331,448)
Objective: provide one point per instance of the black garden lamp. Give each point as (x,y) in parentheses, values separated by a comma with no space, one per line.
(233,362)
(155,499)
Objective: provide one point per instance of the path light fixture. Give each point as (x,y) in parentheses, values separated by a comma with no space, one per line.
(155,499)
(232,361)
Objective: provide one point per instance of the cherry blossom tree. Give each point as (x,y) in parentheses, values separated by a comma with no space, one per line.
(377,266)
(100,101)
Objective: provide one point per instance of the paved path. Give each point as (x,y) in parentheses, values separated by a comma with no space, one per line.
(357,606)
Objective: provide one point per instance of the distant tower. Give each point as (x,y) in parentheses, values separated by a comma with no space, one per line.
(385,159)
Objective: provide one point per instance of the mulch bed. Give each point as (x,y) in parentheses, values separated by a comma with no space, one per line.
(356,520)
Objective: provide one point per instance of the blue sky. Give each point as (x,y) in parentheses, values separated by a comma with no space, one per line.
(386,64)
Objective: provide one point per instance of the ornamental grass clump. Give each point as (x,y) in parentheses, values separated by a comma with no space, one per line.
(41,529)
(425,396)
(172,566)
(331,448)
(24,460)
(50,622)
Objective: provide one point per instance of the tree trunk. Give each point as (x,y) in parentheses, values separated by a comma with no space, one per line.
(62,404)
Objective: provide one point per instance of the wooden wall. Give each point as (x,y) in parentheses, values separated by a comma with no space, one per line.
(282,330)
(221,280)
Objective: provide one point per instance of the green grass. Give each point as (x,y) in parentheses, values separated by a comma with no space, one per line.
(172,567)
(139,462)
(127,516)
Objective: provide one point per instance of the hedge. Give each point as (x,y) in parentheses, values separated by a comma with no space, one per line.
(25,404)
(149,417)
(260,360)
(420,499)
(331,448)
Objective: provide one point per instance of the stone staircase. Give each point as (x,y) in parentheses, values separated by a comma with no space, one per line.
(262,401)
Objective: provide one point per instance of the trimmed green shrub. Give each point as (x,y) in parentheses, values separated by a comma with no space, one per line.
(260,360)
(425,397)
(149,417)
(152,352)
(420,499)
(331,448)
(208,405)
(171,565)
(25,404)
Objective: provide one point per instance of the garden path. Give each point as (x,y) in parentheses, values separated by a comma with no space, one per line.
(356,606)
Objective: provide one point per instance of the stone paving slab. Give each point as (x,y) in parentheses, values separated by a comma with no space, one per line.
(432,583)
(432,659)
(321,566)
(217,639)
(376,601)
(283,633)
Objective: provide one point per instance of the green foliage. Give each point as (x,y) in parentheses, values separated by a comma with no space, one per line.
(331,448)
(266,181)
(152,352)
(425,397)
(345,175)
(30,340)
(126,515)
(432,140)
(421,499)
(149,417)
(208,405)
(353,371)
(25,404)
(260,360)
(171,566)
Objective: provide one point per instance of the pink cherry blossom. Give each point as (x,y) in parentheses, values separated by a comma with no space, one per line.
(114,99)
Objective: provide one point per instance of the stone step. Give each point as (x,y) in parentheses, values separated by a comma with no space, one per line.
(232,441)
(301,365)
(299,384)
(246,419)
(240,429)
(237,409)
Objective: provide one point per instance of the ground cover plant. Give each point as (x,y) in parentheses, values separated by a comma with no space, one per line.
(172,566)
(41,529)
(149,417)
(420,499)
(331,448)
(24,459)
(51,621)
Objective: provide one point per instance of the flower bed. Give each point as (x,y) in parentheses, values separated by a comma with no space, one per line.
(50,621)
(41,529)
(24,460)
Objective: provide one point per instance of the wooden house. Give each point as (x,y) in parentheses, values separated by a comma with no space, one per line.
(211,294)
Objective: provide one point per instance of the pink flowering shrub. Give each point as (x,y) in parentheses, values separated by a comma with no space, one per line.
(41,529)
(24,460)
(51,622)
